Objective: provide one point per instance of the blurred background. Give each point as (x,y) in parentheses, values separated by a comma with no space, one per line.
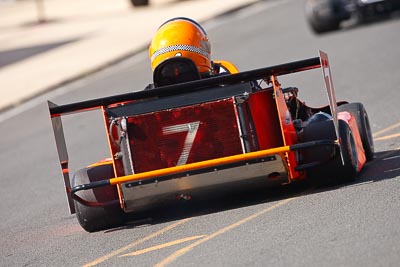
(46,39)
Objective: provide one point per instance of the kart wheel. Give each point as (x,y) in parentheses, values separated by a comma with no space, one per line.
(139,2)
(348,171)
(94,219)
(361,116)
(319,27)
(321,16)
(331,170)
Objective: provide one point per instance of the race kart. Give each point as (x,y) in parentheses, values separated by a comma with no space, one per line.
(327,15)
(185,140)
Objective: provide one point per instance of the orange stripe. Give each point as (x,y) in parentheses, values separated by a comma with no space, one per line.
(199,165)
(100,163)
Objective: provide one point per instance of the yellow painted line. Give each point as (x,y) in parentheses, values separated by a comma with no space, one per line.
(387,154)
(168,244)
(387,137)
(386,129)
(188,248)
(123,249)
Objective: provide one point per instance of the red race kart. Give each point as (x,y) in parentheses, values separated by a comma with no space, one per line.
(218,133)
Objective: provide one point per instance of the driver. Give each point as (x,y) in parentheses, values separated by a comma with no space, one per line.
(180,52)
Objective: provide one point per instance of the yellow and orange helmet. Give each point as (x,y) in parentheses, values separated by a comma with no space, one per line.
(181,37)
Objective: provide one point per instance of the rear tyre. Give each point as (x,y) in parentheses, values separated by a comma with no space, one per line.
(322,23)
(139,2)
(320,27)
(361,116)
(94,219)
(331,171)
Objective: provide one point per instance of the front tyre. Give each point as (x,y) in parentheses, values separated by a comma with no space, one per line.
(94,219)
(348,169)
(358,111)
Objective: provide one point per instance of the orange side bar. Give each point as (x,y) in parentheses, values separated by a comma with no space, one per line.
(199,165)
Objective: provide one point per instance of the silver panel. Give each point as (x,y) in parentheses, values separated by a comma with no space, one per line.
(140,196)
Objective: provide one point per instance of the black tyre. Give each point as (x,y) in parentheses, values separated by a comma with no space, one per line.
(322,23)
(361,116)
(347,172)
(94,219)
(139,2)
(320,27)
(331,171)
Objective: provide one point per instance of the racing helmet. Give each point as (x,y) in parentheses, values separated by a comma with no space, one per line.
(181,37)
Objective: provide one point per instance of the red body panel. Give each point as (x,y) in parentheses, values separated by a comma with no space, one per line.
(265,119)
(184,135)
(287,129)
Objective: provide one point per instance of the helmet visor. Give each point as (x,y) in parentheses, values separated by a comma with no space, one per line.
(175,70)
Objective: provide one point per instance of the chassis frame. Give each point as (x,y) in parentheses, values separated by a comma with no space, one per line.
(287,152)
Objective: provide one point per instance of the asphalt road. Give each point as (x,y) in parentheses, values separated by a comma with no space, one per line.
(349,225)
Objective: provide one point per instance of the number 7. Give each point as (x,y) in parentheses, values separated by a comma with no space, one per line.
(191,129)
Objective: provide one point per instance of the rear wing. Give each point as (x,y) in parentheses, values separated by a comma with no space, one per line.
(195,86)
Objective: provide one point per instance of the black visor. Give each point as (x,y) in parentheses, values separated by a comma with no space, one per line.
(175,70)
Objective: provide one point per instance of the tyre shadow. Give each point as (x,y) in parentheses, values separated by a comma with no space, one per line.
(211,202)
(384,166)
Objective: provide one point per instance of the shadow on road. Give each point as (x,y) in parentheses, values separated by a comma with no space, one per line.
(9,57)
(384,166)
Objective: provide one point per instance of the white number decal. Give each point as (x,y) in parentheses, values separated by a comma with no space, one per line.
(191,129)
(326,72)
